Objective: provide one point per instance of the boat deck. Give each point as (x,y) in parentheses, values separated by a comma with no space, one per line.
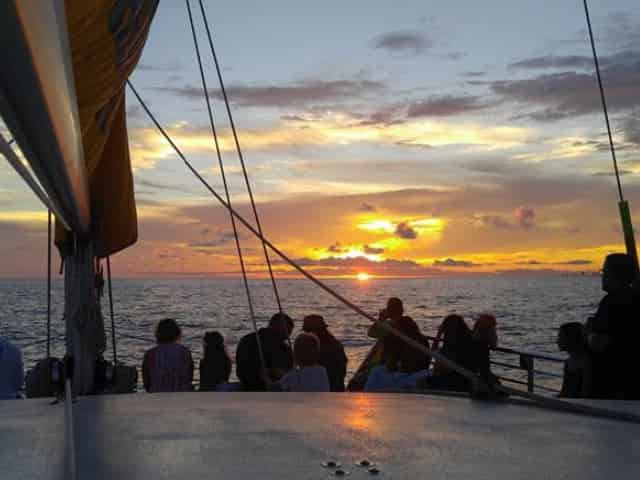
(289,435)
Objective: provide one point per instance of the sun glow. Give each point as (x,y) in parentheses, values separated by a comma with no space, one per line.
(363,277)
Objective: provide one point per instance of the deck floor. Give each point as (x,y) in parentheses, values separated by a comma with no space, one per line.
(287,435)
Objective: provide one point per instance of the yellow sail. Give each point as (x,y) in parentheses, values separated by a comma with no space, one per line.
(106,39)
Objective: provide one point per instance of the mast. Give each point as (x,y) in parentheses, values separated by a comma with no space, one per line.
(623,205)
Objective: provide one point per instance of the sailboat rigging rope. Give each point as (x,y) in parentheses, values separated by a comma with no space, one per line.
(48,283)
(225,184)
(240,155)
(384,325)
(542,401)
(604,101)
(113,322)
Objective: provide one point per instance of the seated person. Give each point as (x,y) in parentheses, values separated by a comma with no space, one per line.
(215,366)
(277,354)
(308,375)
(168,367)
(11,371)
(577,368)
(332,356)
(392,314)
(484,337)
(403,365)
(456,346)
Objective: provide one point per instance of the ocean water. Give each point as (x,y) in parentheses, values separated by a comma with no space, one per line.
(529,309)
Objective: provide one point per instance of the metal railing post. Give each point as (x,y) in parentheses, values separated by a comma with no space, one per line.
(527,363)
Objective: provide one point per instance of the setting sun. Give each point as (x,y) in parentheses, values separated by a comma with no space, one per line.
(362,276)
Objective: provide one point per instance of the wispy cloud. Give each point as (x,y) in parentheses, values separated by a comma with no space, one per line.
(451,262)
(554,61)
(406,231)
(296,94)
(403,41)
(445,106)
(571,93)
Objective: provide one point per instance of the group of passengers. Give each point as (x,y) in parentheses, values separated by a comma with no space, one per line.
(601,355)
(317,362)
(264,360)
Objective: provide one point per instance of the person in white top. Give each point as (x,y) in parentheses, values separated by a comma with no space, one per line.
(308,375)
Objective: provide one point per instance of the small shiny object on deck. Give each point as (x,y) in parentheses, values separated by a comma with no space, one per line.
(341,473)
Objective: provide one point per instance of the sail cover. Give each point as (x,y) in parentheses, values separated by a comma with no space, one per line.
(106,39)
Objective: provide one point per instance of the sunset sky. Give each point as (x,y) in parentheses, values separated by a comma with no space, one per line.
(404,138)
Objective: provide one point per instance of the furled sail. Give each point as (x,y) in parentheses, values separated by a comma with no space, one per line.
(106,39)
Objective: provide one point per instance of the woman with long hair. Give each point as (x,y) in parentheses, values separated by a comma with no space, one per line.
(215,366)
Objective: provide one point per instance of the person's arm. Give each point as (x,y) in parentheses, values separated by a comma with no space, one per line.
(598,327)
(190,371)
(19,372)
(375,330)
(343,364)
(146,377)
(563,390)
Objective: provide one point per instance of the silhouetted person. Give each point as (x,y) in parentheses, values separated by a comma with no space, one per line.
(332,356)
(168,367)
(456,346)
(403,365)
(576,381)
(215,366)
(308,375)
(392,314)
(11,372)
(484,337)
(612,334)
(277,354)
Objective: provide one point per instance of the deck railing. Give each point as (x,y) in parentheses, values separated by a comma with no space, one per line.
(524,362)
(527,365)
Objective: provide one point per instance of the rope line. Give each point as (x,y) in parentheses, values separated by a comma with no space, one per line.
(604,101)
(545,402)
(240,155)
(224,182)
(384,325)
(113,322)
(49,283)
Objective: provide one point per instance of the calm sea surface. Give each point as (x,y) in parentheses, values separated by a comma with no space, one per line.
(529,309)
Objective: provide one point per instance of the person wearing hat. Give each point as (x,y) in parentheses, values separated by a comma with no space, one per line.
(613,332)
(332,356)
